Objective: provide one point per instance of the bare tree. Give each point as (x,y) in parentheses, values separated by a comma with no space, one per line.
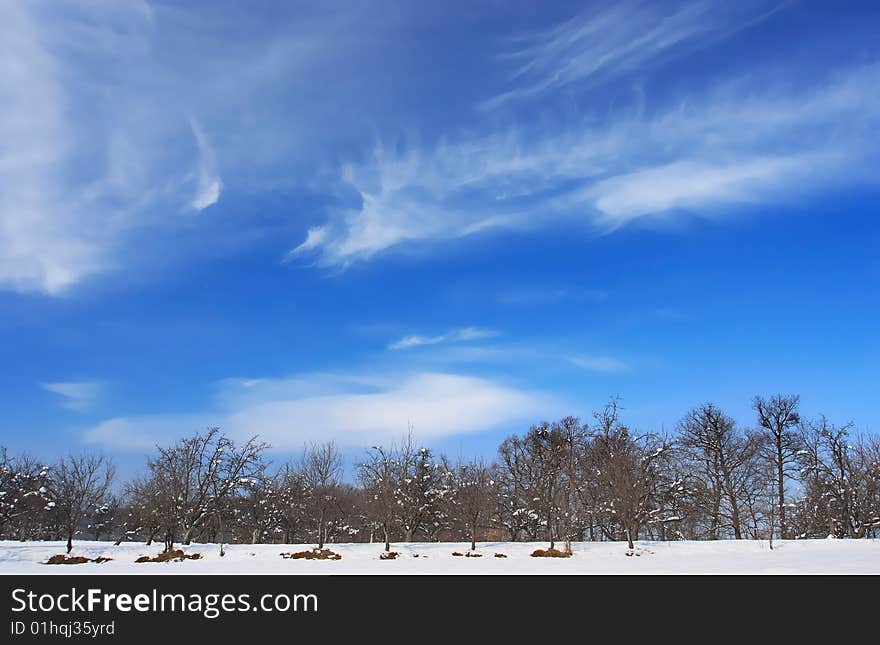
(778,418)
(546,447)
(418,488)
(143,511)
(77,485)
(720,454)
(377,476)
(292,502)
(574,438)
(515,505)
(23,489)
(625,479)
(321,471)
(842,478)
(195,475)
(474,495)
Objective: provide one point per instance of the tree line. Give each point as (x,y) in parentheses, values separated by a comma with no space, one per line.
(782,477)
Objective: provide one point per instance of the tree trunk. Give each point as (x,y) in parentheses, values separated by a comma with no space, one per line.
(734,504)
(387,538)
(780,475)
(716,512)
(69,541)
(734,516)
(629,540)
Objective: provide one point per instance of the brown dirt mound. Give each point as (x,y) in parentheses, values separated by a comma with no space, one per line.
(175,555)
(314,554)
(471,554)
(550,553)
(389,555)
(500,555)
(74,559)
(457,554)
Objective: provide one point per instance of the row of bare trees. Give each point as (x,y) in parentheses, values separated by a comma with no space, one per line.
(563,481)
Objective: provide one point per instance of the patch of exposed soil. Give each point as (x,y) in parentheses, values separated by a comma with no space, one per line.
(313,554)
(75,559)
(175,555)
(550,553)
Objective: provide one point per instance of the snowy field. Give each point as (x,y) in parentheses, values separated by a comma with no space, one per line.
(721,557)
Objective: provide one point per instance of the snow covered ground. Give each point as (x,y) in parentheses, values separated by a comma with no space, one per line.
(721,557)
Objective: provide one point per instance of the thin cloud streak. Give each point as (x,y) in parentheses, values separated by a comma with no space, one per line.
(599,363)
(595,45)
(209,183)
(455,336)
(80,396)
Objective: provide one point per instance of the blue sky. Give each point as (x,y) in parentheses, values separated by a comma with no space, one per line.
(324,220)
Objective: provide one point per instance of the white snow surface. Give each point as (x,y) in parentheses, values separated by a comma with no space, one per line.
(709,557)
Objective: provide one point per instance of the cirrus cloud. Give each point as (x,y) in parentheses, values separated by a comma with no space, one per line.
(455,336)
(736,143)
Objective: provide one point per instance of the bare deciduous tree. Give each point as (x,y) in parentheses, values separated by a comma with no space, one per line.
(321,471)
(720,455)
(778,418)
(23,489)
(377,478)
(195,475)
(418,488)
(474,495)
(292,502)
(624,477)
(842,479)
(76,486)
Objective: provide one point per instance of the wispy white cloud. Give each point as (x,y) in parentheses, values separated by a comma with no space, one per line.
(40,248)
(693,184)
(599,363)
(455,336)
(354,412)
(142,433)
(82,156)
(619,38)
(738,142)
(77,395)
(99,154)
(209,183)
